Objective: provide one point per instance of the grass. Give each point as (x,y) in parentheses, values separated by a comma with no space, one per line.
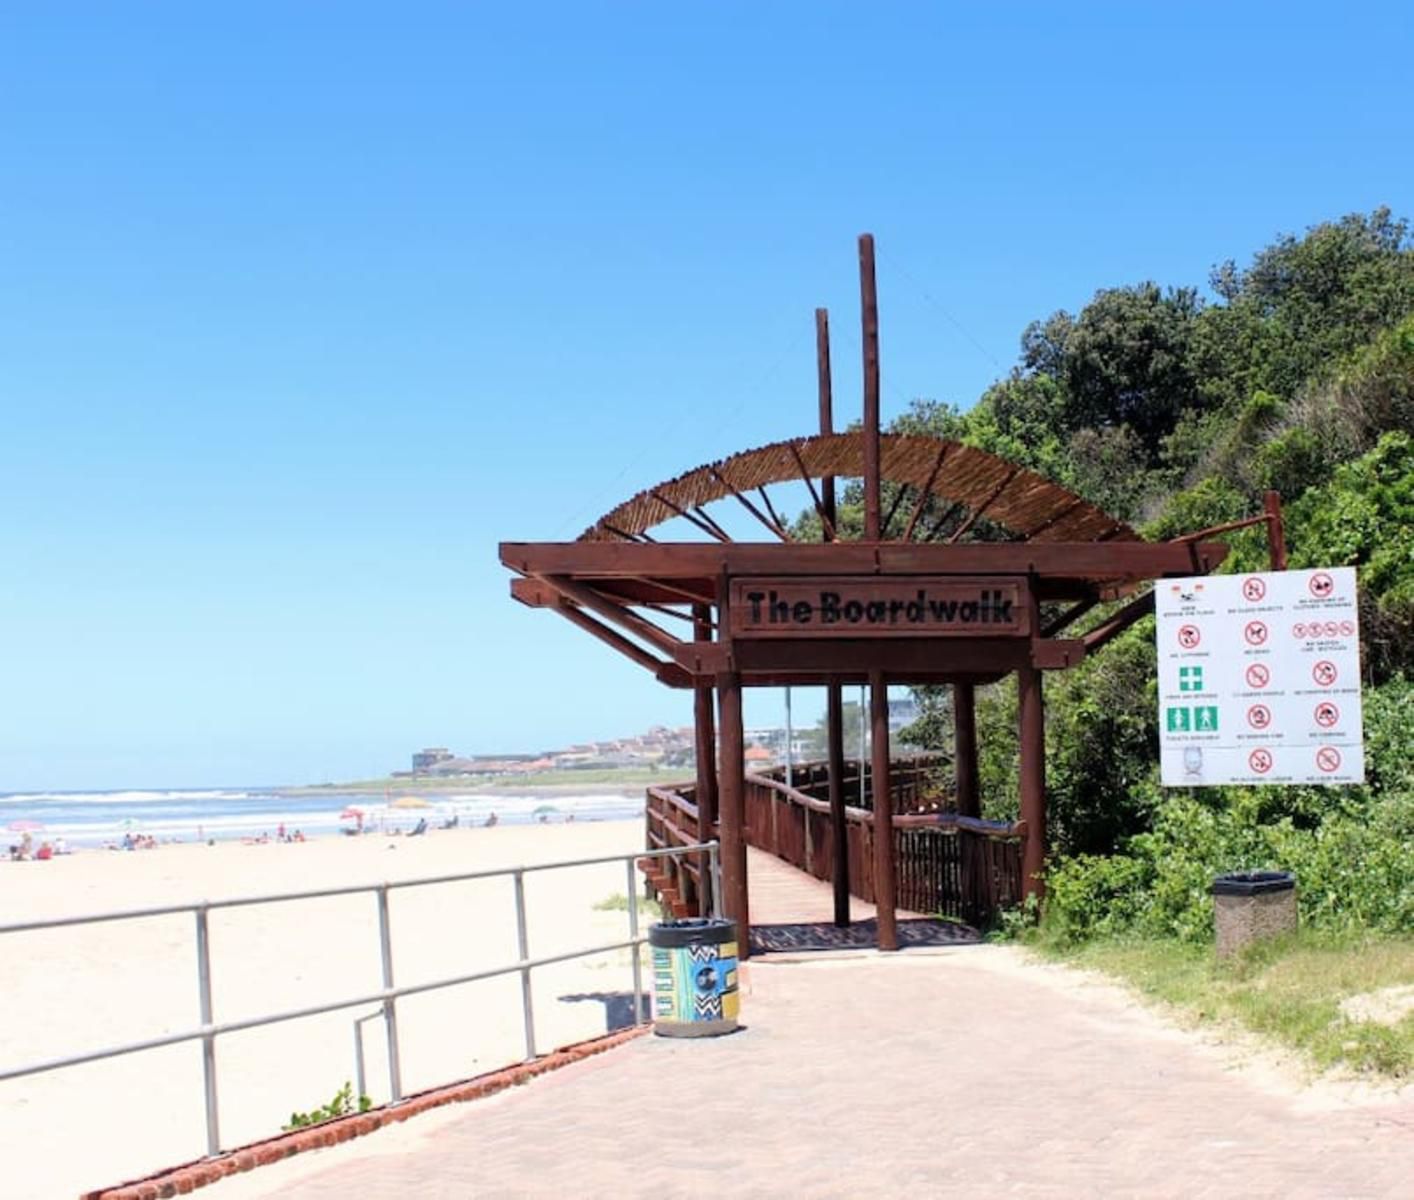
(1288,990)
(618,902)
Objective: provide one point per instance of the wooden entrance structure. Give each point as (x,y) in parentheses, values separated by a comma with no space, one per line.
(977,569)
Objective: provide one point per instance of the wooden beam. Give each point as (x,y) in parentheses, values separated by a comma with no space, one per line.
(1107,630)
(977,512)
(826,522)
(1085,562)
(869,321)
(770,508)
(925,493)
(595,602)
(1071,615)
(1031,730)
(751,508)
(610,637)
(687,516)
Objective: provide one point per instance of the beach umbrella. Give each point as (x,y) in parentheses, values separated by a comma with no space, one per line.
(351,814)
(24,826)
(410,802)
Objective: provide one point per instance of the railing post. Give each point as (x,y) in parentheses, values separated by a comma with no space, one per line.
(390,1011)
(208,1040)
(638,1014)
(523,943)
(360,1072)
(715,867)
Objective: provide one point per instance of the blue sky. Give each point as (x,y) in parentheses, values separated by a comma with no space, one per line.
(303,308)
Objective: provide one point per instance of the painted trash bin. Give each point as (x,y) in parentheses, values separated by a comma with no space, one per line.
(694,977)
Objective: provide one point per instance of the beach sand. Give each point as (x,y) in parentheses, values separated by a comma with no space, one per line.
(68,990)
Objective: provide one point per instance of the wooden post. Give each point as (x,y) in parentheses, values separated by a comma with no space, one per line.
(706,748)
(869,317)
(834,693)
(839,827)
(1276,532)
(883,814)
(732,798)
(1032,730)
(964,724)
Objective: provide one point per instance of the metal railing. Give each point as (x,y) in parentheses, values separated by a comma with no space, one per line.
(387,996)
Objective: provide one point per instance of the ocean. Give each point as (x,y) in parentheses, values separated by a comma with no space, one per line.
(223,814)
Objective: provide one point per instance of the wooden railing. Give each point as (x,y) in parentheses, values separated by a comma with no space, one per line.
(681,883)
(948,865)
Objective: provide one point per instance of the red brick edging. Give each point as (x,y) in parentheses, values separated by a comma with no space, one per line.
(180,1181)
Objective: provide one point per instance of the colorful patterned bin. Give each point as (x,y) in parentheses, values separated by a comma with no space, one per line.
(694,977)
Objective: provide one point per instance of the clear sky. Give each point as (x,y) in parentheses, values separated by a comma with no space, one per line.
(304,307)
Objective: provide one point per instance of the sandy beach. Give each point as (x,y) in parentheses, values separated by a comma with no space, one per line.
(72,989)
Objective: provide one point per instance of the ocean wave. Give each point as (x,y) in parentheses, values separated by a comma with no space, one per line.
(134,797)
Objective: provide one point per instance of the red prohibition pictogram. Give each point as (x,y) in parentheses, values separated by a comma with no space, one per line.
(1256,633)
(1253,589)
(1331,629)
(1347,629)
(1327,714)
(1324,673)
(1259,716)
(1299,631)
(1328,759)
(1260,761)
(1258,675)
(1189,636)
(1321,585)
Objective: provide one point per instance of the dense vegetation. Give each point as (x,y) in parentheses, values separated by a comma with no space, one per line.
(1176,411)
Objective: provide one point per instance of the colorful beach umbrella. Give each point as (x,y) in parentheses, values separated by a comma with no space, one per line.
(351,814)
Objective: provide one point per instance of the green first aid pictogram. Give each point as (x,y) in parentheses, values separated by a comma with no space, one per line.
(1190,679)
(1176,720)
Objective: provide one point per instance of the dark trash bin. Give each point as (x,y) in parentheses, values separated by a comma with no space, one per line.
(1249,906)
(694,977)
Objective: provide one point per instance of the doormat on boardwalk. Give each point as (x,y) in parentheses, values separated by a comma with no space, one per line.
(861,935)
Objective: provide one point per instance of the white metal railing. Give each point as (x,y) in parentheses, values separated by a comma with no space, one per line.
(387,996)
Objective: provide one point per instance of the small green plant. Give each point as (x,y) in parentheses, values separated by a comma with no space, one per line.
(618,902)
(342,1105)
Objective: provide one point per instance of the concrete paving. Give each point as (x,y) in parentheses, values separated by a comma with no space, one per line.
(964,1070)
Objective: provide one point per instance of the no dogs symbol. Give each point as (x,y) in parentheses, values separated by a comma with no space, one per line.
(1255,633)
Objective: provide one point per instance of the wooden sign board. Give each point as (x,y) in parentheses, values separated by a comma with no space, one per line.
(917,606)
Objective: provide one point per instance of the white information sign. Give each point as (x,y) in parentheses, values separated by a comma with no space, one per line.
(1259,678)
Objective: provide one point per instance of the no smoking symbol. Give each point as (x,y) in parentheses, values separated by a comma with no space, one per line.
(1259,716)
(1258,676)
(1324,673)
(1328,759)
(1321,585)
(1188,636)
(1327,714)
(1253,589)
(1255,633)
(1260,761)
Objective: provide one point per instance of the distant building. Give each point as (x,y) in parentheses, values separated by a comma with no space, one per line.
(425,760)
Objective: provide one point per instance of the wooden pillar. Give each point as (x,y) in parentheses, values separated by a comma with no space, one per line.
(706,751)
(1032,728)
(869,318)
(1276,532)
(732,814)
(964,724)
(839,827)
(883,814)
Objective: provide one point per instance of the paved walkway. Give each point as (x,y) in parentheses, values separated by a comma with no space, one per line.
(932,1071)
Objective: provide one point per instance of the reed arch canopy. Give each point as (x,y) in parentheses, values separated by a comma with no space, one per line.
(936,477)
